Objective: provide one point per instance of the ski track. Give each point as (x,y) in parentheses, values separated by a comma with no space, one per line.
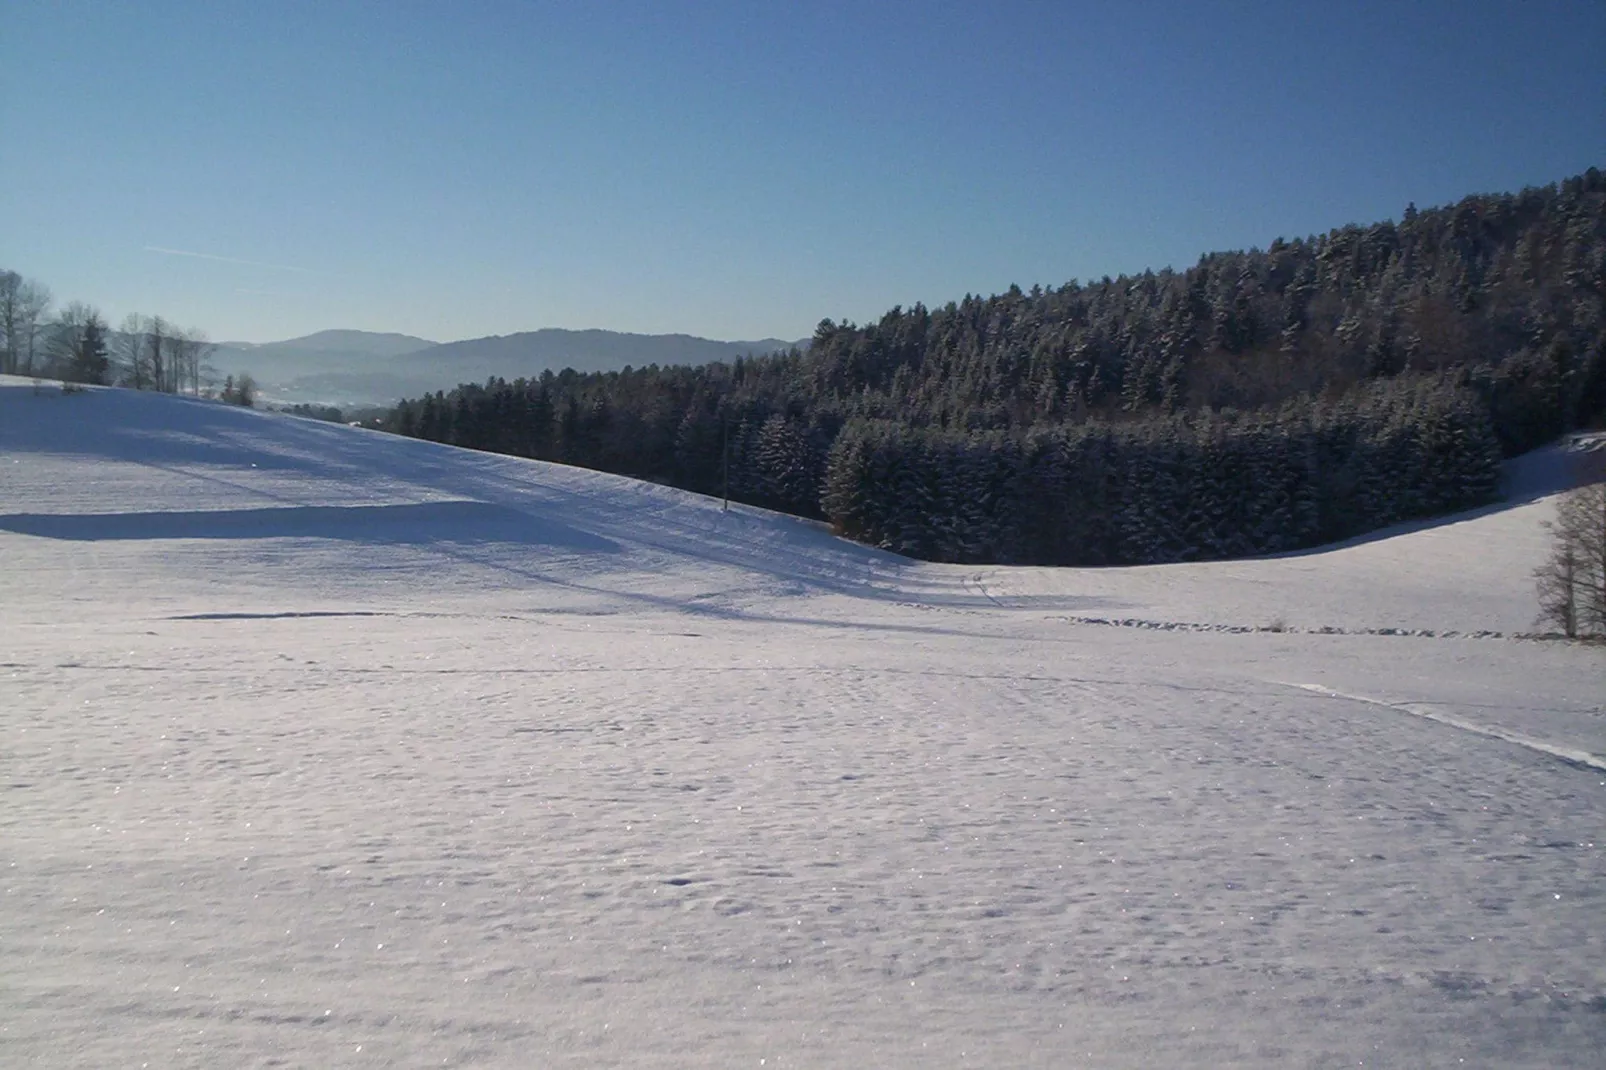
(633,782)
(1570,755)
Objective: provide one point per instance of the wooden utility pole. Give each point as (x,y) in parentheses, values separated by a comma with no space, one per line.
(725,456)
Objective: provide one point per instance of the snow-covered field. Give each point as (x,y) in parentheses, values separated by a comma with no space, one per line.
(324,748)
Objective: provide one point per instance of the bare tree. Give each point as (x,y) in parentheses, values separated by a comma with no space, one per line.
(1572,581)
(22,306)
(64,337)
(179,357)
(10,283)
(190,352)
(128,352)
(157,352)
(33,301)
(1557,581)
(1583,514)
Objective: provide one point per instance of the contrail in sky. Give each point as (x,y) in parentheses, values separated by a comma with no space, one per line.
(229,260)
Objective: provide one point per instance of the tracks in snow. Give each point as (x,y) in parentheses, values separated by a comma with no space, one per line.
(1248,629)
(976,584)
(1571,755)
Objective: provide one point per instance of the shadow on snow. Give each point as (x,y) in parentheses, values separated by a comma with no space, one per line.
(426,522)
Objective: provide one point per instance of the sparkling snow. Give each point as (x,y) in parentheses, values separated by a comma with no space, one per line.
(321,748)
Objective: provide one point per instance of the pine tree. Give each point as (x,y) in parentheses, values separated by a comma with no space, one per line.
(90,362)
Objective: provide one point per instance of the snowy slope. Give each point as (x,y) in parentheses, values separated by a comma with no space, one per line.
(322,747)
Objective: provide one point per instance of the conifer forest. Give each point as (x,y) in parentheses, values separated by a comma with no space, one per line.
(1257,402)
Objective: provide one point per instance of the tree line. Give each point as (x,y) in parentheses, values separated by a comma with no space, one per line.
(1257,401)
(75,344)
(1216,485)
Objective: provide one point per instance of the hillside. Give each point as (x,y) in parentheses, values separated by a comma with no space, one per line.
(1260,401)
(332,747)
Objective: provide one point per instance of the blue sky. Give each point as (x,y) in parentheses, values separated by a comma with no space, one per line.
(737,170)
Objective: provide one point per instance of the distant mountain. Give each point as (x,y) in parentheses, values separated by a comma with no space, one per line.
(346,367)
(372,343)
(289,370)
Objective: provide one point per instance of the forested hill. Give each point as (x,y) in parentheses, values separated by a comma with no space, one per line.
(1258,401)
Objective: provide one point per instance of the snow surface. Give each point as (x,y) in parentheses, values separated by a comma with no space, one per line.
(326,748)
